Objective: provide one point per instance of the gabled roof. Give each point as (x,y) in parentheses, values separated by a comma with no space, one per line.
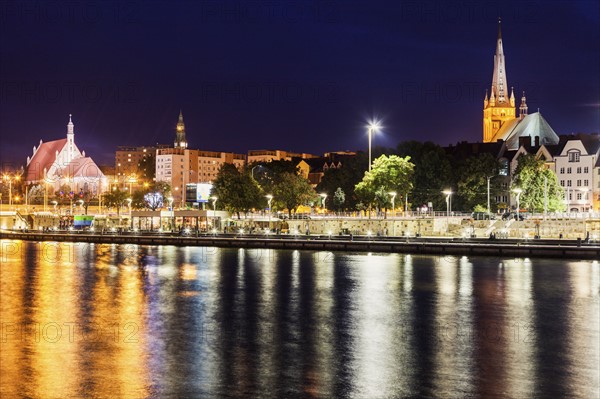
(43,158)
(531,125)
(84,167)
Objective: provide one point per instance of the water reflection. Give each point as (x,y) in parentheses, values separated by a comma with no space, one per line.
(81,320)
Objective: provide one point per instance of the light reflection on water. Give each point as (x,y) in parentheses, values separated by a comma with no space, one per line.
(82,320)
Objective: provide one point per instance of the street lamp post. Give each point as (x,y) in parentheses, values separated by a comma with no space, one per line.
(448,207)
(518,191)
(10,178)
(324,198)
(170,199)
(488,198)
(373,126)
(214,202)
(393,195)
(269,200)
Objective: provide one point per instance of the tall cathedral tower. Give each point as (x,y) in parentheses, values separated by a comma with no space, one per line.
(180,141)
(498,108)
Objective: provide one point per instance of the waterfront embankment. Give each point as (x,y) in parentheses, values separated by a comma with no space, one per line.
(566,249)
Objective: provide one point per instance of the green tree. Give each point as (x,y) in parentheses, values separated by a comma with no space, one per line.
(237,191)
(346,178)
(290,191)
(432,172)
(339,197)
(117,199)
(387,174)
(532,176)
(473,173)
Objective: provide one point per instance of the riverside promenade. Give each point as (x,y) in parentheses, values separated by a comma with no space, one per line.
(518,248)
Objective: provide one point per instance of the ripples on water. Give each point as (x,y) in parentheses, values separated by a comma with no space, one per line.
(105,321)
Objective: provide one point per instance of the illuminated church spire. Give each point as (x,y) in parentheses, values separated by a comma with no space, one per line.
(180,141)
(499,82)
(500,108)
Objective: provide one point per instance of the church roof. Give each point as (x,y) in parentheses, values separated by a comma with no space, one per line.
(531,125)
(84,167)
(43,158)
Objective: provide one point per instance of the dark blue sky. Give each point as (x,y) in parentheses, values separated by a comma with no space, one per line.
(303,76)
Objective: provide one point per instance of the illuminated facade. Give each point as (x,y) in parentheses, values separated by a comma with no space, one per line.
(500,120)
(498,108)
(60,162)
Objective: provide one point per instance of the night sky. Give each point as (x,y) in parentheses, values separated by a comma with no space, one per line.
(302,76)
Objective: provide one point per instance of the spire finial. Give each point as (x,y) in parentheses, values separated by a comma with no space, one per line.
(499,28)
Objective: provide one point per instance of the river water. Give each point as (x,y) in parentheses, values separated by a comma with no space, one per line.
(107,321)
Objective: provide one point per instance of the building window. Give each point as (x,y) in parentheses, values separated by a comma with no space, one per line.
(568,183)
(579,169)
(569,170)
(562,170)
(586,182)
(586,170)
(574,156)
(562,183)
(578,183)
(579,196)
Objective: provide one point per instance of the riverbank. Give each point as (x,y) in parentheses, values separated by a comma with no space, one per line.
(566,249)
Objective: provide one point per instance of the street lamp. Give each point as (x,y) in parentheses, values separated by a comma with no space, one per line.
(488,197)
(324,198)
(10,178)
(214,202)
(170,199)
(448,194)
(373,126)
(393,195)
(132,179)
(518,191)
(269,200)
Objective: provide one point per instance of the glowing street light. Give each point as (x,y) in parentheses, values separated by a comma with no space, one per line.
(393,195)
(324,198)
(10,178)
(373,127)
(269,200)
(518,191)
(448,194)
(214,202)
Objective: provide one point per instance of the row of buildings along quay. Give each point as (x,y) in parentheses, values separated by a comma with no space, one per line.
(59,183)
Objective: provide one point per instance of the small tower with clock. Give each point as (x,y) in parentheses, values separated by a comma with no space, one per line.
(180,141)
